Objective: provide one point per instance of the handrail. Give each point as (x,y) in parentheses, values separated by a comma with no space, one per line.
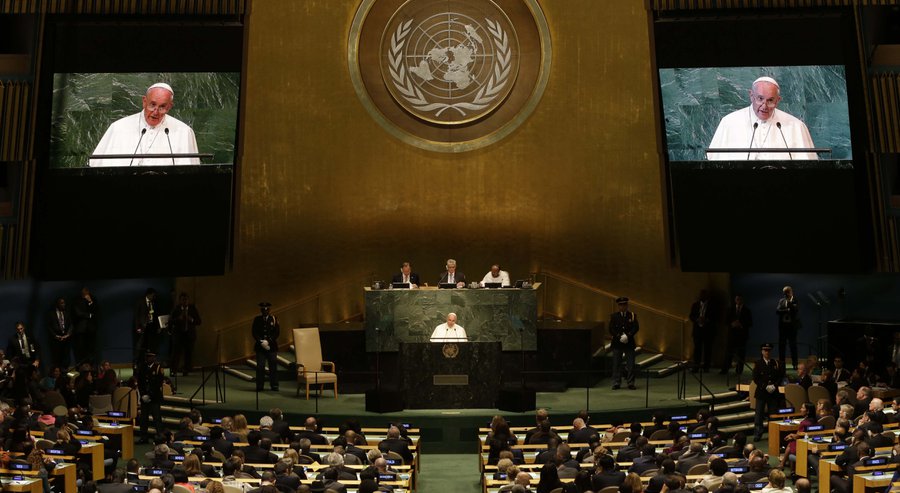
(612,296)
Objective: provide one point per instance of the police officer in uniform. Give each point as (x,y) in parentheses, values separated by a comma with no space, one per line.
(623,325)
(150,382)
(767,374)
(265,332)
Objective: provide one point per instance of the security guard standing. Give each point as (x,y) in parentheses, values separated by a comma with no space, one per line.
(623,325)
(767,374)
(150,383)
(265,332)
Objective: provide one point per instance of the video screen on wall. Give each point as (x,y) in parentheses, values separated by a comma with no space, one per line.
(138,115)
(789,107)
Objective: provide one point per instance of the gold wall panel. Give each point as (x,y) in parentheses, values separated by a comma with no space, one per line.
(328,198)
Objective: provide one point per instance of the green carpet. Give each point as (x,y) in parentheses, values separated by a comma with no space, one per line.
(446,473)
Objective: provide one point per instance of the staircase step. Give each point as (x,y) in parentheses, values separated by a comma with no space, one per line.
(706,397)
(746,415)
(670,368)
(746,428)
(284,361)
(185,400)
(732,406)
(238,373)
(650,360)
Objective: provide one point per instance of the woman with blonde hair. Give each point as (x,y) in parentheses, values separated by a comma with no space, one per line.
(240,428)
(192,465)
(214,487)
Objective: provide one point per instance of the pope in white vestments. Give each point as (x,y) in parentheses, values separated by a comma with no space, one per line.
(774,129)
(449,331)
(151,131)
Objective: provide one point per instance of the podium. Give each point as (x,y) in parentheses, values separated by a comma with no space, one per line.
(450,375)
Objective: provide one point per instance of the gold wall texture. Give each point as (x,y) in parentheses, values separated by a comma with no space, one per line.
(328,199)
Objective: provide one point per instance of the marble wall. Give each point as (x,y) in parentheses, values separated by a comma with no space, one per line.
(84,105)
(695,99)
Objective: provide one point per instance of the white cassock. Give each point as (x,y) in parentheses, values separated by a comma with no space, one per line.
(503,278)
(442,333)
(735,130)
(123,135)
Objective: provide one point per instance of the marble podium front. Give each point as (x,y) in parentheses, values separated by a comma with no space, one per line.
(450,375)
(404,315)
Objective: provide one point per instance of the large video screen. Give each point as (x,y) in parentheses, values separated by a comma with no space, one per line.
(105,114)
(788,107)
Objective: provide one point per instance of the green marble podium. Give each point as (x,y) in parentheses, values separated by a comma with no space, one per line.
(488,315)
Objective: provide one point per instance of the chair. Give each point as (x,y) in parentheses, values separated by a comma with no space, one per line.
(622,436)
(125,399)
(219,456)
(795,395)
(660,435)
(100,404)
(227,488)
(827,421)
(167,389)
(44,444)
(608,489)
(394,455)
(559,490)
(698,469)
(177,488)
(752,395)
(721,450)
(53,398)
(310,366)
(817,392)
(351,460)
(649,473)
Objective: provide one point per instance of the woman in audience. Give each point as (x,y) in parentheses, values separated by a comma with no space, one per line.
(107,380)
(64,442)
(215,487)
(49,382)
(823,408)
(180,475)
(500,430)
(84,388)
(632,484)
(41,464)
(192,466)
(240,427)
(809,419)
(549,479)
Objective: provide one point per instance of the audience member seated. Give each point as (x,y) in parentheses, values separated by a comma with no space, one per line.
(545,456)
(255,453)
(776,483)
(606,473)
(646,461)
(197,422)
(543,434)
(695,455)
(116,483)
(185,431)
(549,479)
(566,466)
(307,456)
(499,430)
(581,432)
(717,469)
(336,461)
(633,450)
(266,431)
(659,423)
(331,476)
(790,451)
(759,470)
(540,416)
(666,469)
(239,427)
(311,432)
(218,441)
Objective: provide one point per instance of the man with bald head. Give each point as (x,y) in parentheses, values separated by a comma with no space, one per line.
(761,126)
(150,131)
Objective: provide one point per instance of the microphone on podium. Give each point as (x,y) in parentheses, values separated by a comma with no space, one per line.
(786,146)
(755,126)
(170,146)
(143,131)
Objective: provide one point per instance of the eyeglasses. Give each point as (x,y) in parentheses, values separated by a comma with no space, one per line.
(162,108)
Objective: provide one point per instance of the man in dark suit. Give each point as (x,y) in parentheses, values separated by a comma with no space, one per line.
(302,446)
(803,378)
(394,443)
(704,317)
(266,431)
(406,275)
(311,432)
(646,461)
(279,425)
(145,335)
(767,374)
(452,276)
(788,324)
(116,485)
(581,432)
(59,333)
(265,332)
(607,474)
(623,325)
(21,346)
(183,322)
(695,455)
(254,453)
(219,442)
(738,320)
(85,329)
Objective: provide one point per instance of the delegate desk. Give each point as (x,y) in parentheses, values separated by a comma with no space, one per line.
(440,375)
(508,315)
(124,431)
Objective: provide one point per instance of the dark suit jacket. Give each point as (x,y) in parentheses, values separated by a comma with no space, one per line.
(224,446)
(54,329)
(745,317)
(283,428)
(581,436)
(271,435)
(397,445)
(267,329)
(765,374)
(85,316)
(14,351)
(180,320)
(457,277)
(685,463)
(259,455)
(628,453)
(710,317)
(623,323)
(805,382)
(656,484)
(314,438)
(413,278)
(607,478)
(641,464)
(114,488)
(141,318)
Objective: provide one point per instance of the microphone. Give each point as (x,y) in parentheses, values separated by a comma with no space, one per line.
(170,146)
(755,125)
(786,146)
(143,131)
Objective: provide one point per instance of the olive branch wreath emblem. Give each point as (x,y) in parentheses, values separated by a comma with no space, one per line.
(487,93)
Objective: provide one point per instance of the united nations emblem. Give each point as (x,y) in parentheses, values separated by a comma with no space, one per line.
(450,350)
(449,75)
(450,66)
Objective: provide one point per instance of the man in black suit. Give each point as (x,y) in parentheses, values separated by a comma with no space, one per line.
(302,446)
(406,275)
(183,322)
(117,484)
(219,442)
(22,347)
(695,455)
(145,335)
(581,432)
(623,325)
(767,374)
(452,276)
(803,378)
(85,329)
(311,432)
(788,324)
(394,443)
(266,431)
(646,461)
(59,333)
(254,453)
(739,319)
(265,332)
(607,474)
(279,425)
(704,317)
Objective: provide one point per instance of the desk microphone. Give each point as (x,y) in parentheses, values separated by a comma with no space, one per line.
(755,126)
(786,146)
(170,146)
(143,131)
